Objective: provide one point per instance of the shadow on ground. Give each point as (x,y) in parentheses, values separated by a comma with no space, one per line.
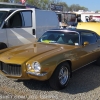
(83,80)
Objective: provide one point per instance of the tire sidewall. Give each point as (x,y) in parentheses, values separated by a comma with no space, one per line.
(59,68)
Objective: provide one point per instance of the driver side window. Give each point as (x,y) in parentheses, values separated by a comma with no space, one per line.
(15,20)
(20,19)
(88,37)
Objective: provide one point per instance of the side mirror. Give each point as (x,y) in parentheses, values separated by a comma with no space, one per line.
(6,24)
(85,43)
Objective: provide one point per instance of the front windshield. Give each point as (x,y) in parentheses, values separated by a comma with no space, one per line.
(69,38)
(3,15)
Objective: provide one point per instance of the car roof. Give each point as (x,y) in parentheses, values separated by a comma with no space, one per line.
(72,30)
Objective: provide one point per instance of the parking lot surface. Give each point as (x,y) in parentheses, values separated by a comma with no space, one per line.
(84,85)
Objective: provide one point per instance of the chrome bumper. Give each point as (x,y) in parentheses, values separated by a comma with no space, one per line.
(36,74)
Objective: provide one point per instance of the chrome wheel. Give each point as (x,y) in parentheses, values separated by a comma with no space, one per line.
(63,75)
(60,77)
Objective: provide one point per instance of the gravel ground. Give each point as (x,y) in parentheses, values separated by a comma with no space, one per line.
(84,85)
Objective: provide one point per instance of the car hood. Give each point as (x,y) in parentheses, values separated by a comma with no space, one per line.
(21,54)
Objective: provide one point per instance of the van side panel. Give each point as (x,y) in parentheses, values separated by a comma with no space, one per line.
(45,20)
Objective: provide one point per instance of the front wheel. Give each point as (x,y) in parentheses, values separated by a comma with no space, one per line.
(60,77)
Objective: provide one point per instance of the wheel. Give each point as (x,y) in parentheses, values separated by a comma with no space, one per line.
(3,46)
(98,61)
(60,77)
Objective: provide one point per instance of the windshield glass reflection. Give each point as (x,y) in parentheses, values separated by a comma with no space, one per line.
(69,38)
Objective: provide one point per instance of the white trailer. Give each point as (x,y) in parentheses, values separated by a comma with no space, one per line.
(85,16)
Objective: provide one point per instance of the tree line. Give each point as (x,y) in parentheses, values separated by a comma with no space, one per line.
(45,4)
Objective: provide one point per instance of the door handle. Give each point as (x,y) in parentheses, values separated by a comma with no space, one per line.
(33,31)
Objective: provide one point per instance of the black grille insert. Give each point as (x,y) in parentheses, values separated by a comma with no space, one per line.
(10,69)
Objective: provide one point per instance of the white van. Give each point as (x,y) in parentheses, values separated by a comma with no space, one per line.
(23,26)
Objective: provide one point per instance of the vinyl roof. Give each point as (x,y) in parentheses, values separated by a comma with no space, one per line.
(72,29)
(75,30)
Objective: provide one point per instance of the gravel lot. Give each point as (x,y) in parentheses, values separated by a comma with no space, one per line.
(84,85)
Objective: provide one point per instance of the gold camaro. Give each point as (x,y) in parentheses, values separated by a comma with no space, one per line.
(54,57)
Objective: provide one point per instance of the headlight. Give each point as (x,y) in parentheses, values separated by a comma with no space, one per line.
(36,67)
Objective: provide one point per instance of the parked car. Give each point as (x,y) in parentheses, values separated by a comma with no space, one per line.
(54,57)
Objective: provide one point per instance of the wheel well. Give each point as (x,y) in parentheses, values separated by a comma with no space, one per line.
(70,64)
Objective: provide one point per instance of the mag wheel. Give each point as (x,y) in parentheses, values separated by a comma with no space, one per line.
(60,77)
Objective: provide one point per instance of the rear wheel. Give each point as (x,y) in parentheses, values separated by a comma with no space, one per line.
(3,46)
(60,77)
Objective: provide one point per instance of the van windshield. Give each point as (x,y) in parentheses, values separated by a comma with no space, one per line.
(3,15)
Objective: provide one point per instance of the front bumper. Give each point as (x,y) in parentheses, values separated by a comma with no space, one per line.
(36,74)
(29,75)
(20,72)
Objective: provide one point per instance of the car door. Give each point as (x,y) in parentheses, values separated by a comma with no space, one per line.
(20,28)
(89,52)
(93,45)
(86,54)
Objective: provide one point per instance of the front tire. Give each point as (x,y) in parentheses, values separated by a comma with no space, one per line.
(60,77)
(3,46)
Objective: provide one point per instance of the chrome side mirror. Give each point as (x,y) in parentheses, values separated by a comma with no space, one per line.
(6,24)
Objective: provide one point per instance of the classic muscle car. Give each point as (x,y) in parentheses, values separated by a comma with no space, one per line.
(53,57)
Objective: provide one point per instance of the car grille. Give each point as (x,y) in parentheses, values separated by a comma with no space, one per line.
(10,69)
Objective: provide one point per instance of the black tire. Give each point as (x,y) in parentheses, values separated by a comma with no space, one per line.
(55,81)
(98,61)
(3,46)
